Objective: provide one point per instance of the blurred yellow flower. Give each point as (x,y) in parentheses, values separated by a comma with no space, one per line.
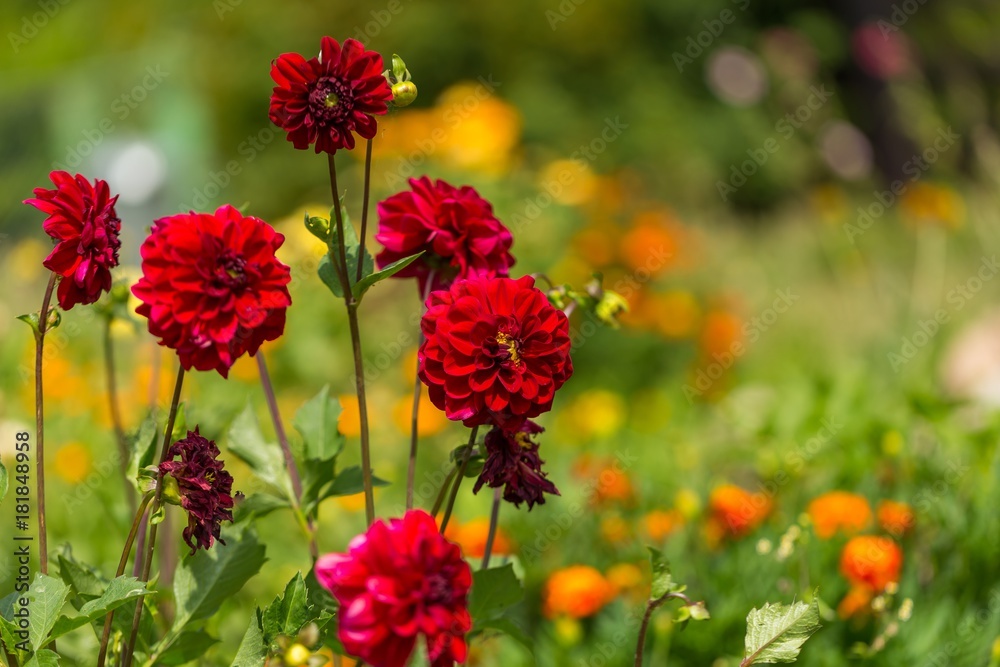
(354,503)
(597,413)
(614,529)
(628,579)
(927,203)
(595,245)
(26,259)
(430,420)
(675,313)
(569,182)
(72,463)
(349,422)
(839,511)
(829,202)
(687,503)
(577,591)
(481,129)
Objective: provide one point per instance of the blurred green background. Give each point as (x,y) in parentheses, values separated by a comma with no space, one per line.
(798,199)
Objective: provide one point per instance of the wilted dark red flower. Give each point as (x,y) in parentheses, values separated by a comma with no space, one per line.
(212,287)
(204,486)
(398,581)
(83,221)
(512,461)
(495,351)
(324,100)
(455,227)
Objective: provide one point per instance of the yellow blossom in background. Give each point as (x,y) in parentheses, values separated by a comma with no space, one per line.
(430,420)
(628,579)
(26,259)
(927,203)
(349,422)
(687,503)
(577,591)
(675,314)
(839,512)
(829,202)
(72,463)
(483,130)
(354,503)
(597,413)
(595,245)
(569,182)
(614,529)
(659,524)
(301,249)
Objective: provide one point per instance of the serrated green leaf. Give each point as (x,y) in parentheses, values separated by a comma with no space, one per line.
(43,658)
(7,627)
(493,591)
(510,628)
(366,283)
(288,612)
(264,458)
(206,579)
(142,449)
(119,591)
(316,421)
(252,650)
(46,598)
(662,580)
(776,632)
(189,646)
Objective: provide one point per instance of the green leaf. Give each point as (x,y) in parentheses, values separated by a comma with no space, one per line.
(698,611)
(252,650)
(289,612)
(510,628)
(142,448)
(321,483)
(662,581)
(189,646)
(46,598)
(493,591)
(316,421)
(206,579)
(3,482)
(7,626)
(352,249)
(43,658)
(119,591)
(258,505)
(349,482)
(776,632)
(365,283)
(328,274)
(264,458)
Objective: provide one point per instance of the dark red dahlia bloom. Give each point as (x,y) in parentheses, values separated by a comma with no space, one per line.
(83,221)
(205,488)
(455,227)
(212,287)
(512,461)
(495,351)
(397,581)
(324,100)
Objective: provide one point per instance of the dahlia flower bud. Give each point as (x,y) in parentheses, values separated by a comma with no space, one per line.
(403,93)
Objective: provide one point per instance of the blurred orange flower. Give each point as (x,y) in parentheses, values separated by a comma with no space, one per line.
(927,203)
(653,243)
(614,529)
(896,518)
(576,591)
(736,511)
(857,602)
(471,537)
(721,332)
(430,420)
(72,463)
(659,524)
(349,422)
(628,579)
(871,561)
(839,511)
(611,482)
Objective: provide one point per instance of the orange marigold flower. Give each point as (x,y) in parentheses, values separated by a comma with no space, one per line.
(661,523)
(577,591)
(628,579)
(736,511)
(896,518)
(871,561)
(839,511)
(471,537)
(857,602)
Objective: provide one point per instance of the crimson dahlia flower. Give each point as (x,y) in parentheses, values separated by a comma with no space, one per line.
(83,221)
(455,227)
(495,351)
(212,287)
(205,488)
(398,581)
(512,461)
(324,100)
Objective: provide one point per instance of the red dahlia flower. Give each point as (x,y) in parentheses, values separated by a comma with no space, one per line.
(397,581)
(205,488)
(455,227)
(324,100)
(512,462)
(212,287)
(495,352)
(82,219)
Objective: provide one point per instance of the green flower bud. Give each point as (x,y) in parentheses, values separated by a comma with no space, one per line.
(297,655)
(403,93)
(609,307)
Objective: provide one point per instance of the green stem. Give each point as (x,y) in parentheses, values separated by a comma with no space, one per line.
(443,490)
(116,415)
(157,502)
(43,317)
(650,608)
(364,207)
(458,479)
(494,520)
(101,657)
(411,470)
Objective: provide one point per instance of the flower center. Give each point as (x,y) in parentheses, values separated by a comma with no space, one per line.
(330,100)
(437,589)
(508,341)
(231,270)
